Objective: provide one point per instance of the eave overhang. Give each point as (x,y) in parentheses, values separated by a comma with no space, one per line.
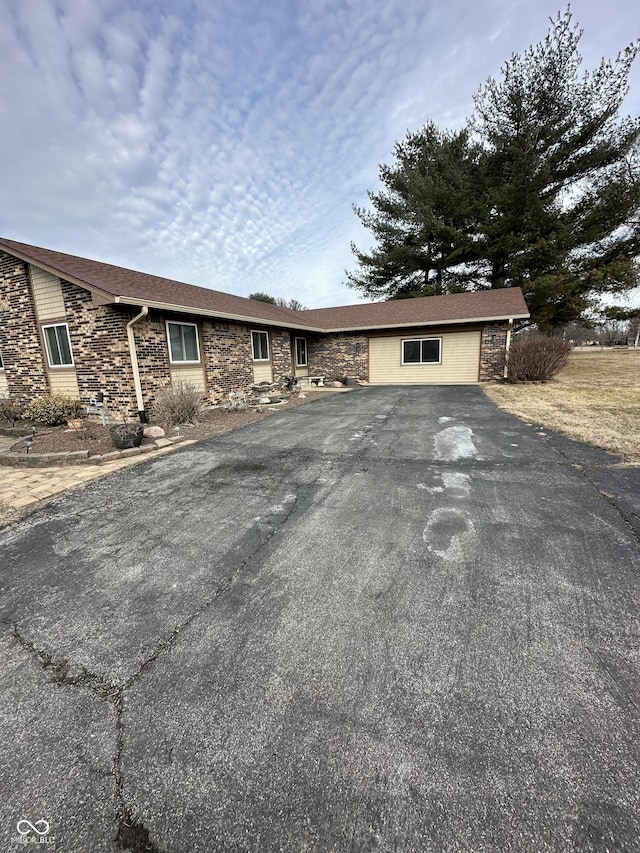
(102,297)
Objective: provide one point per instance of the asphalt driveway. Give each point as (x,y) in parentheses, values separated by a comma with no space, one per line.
(391,620)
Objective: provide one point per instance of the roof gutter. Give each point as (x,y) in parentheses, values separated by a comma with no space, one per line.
(282,324)
(221,315)
(452,321)
(507,348)
(134,363)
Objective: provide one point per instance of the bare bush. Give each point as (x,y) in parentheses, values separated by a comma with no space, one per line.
(536,358)
(10,410)
(180,403)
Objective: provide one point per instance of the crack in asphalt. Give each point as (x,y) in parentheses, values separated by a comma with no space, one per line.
(624,515)
(395,435)
(131,834)
(169,642)
(62,673)
(584,470)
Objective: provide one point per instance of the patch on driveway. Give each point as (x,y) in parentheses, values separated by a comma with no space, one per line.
(455,442)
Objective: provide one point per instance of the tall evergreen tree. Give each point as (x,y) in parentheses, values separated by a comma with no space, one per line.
(423,218)
(544,189)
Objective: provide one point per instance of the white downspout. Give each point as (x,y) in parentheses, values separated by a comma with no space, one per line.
(507,347)
(134,362)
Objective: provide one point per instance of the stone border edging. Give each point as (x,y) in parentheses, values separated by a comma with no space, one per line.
(81,457)
(19,432)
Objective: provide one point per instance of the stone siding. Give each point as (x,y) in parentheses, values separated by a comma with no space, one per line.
(20,344)
(337,355)
(493,343)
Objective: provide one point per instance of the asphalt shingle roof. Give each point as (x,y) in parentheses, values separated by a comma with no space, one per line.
(138,288)
(142,287)
(456,307)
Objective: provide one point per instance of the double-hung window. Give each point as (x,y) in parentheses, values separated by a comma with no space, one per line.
(183,343)
(422,351)
(301,352)
(58,345)
(260,346)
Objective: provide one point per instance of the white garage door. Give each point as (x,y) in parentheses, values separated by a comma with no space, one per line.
(452,358)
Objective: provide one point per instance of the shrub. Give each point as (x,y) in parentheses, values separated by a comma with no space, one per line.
(536,358)
(53,410)
(10,410)
(180,403)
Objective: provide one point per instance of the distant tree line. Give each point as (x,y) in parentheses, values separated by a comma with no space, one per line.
(612,325)
(292,304)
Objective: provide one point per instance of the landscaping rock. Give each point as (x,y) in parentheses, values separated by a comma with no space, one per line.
(336,384)
(154,432)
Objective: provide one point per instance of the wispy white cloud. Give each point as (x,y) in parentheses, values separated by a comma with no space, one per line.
(225,143)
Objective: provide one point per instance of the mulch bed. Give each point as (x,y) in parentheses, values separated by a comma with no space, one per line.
(95,437)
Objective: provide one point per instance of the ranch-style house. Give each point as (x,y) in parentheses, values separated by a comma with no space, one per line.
(85,328)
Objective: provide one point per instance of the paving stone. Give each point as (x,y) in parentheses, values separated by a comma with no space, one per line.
(23,486)
(41,493)
(24,500)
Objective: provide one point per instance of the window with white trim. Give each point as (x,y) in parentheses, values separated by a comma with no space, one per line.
(301,352)
(260,345)
(183,343)
(422,351)
(1,362)
(58,345)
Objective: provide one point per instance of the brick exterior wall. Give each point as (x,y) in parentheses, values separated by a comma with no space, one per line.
(19,336)
(281,361)
(227,358)
(337,355)
(102,362)
(493,343)
(99,341)
(153,357)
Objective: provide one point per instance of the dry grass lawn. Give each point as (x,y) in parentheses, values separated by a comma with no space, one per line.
(595,398)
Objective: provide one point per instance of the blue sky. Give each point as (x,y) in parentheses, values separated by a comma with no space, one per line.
(224,142)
